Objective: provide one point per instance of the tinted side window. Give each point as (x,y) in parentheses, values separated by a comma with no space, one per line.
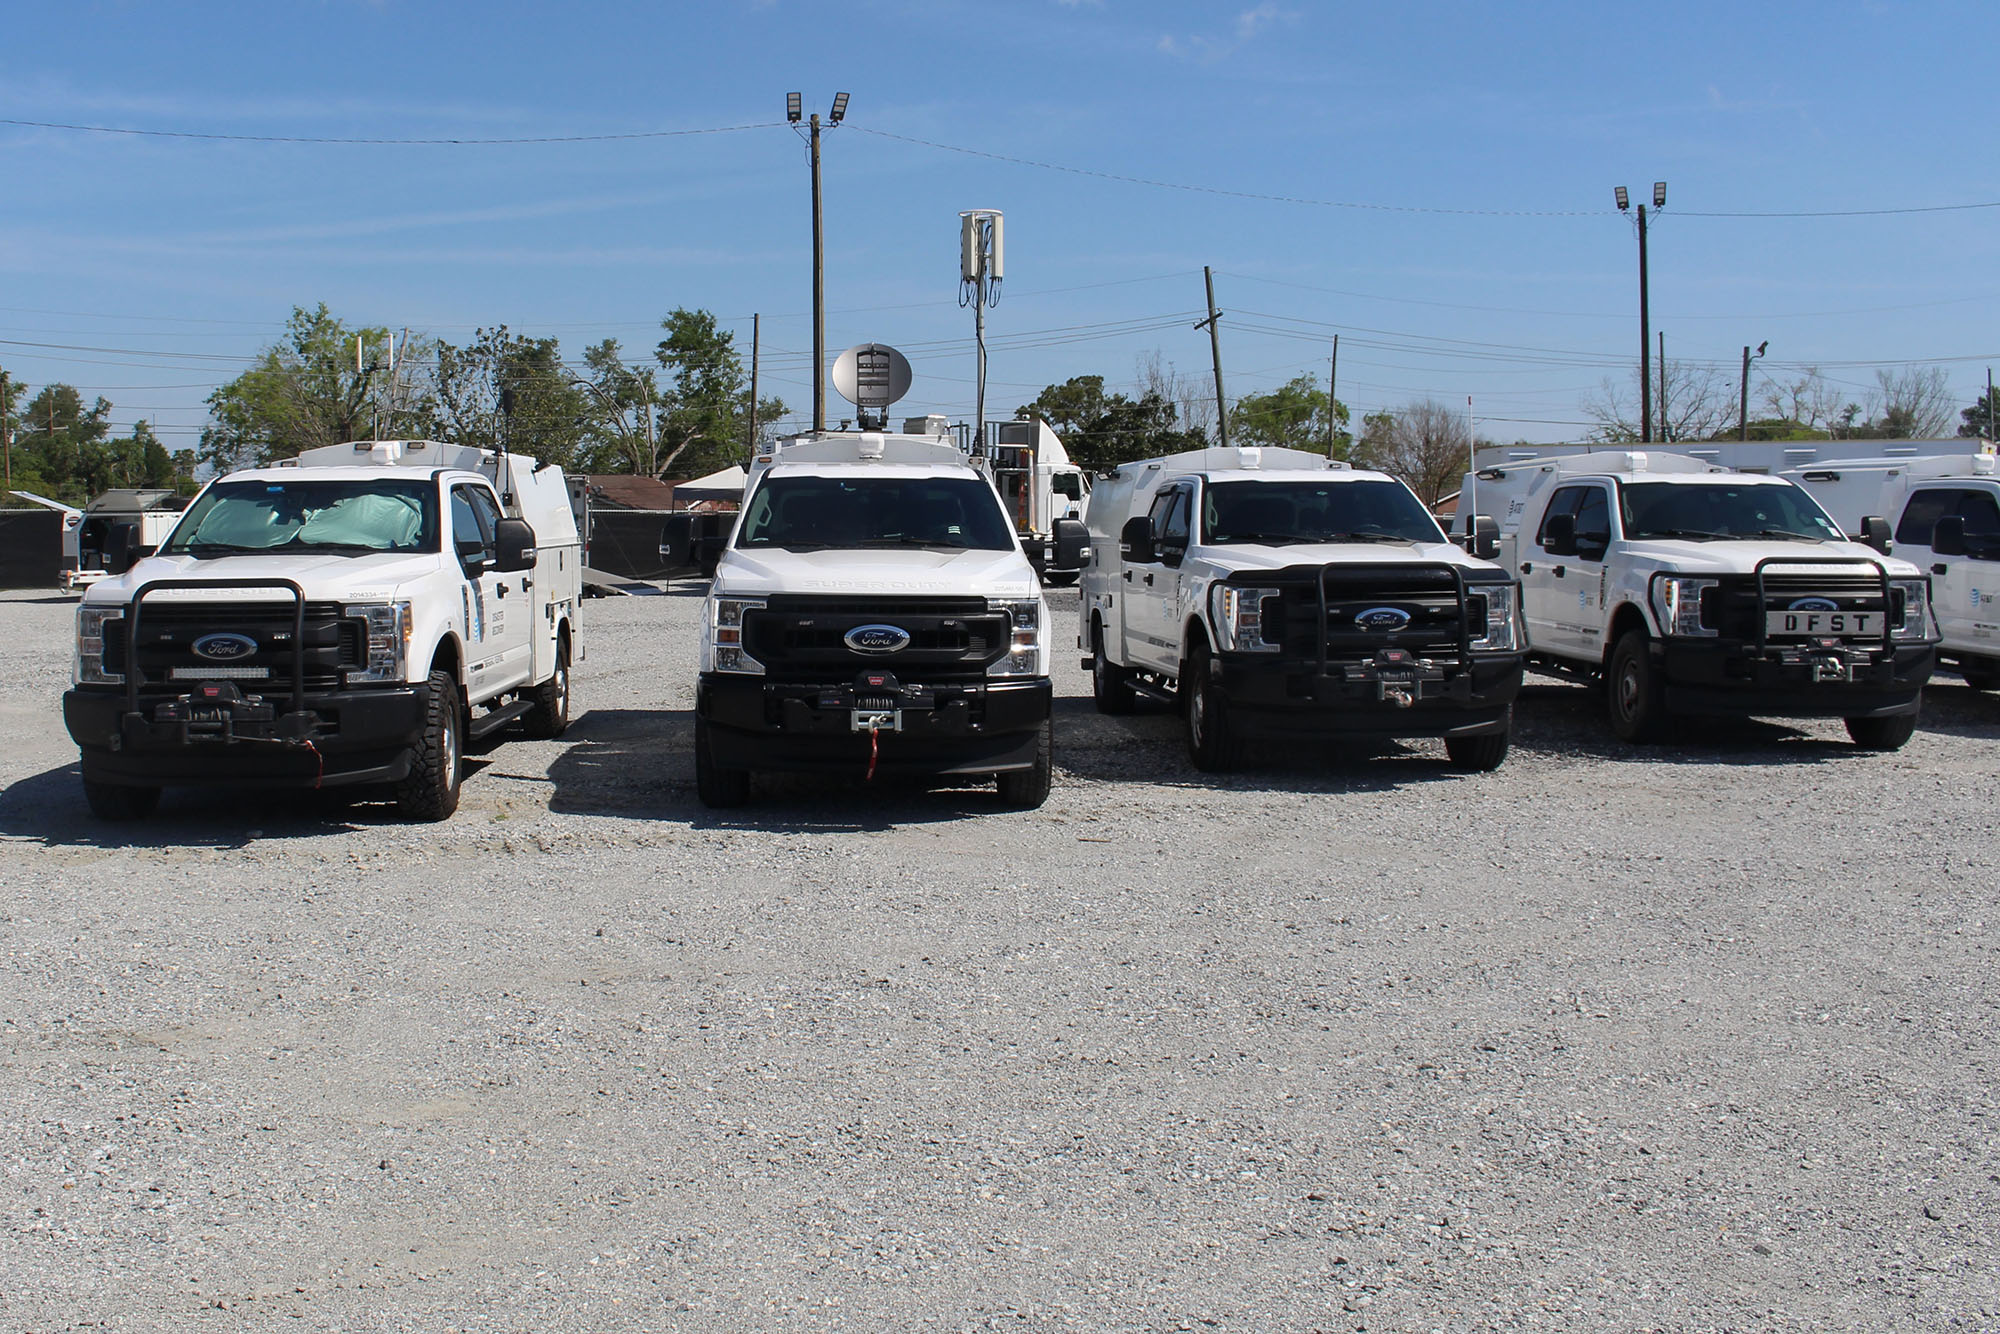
(1162,502)
(465,518)
(1982,514)
(1921,515)
(1593,519)
(1563,502)
(1175,530)
(489,513)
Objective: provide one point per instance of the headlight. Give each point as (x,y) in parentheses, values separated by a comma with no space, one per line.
(1239,618)
(1496,619)
(1677,603)
(388,640)
(90,645)
(1915,597)
(722,650)
(1024,646)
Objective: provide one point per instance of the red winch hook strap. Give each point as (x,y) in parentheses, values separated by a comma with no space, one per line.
(319,762)
(874,750)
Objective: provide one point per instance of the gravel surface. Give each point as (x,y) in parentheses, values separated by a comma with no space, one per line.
(1693,1038)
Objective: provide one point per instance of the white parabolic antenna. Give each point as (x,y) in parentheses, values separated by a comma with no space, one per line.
(871,376)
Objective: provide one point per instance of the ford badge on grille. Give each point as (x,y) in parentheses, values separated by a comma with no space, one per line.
(224,647)
(877,639)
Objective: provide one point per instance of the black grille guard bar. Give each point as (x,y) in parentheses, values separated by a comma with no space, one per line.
(1881,575)
(133,674)
(1456,575)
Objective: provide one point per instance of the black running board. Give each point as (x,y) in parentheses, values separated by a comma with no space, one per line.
(484,726)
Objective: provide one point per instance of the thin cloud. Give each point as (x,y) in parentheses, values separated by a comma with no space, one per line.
(1246,28)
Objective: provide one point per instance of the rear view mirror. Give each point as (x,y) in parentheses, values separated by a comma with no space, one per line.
(1559,535)
(1072,544)
(1485,536)
(1875,533)
(121,548)
(1135,540)
(1948,537)
(514,546)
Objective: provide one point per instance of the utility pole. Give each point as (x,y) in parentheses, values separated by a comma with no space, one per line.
(755,331)
(793,110)
(981,267)
(1743,391)
(1666,436)
(1645,315)
(7,426)
(1332,378)
(1213,323)
(1989,404)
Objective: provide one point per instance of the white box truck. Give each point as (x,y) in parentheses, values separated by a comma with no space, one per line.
(352,616)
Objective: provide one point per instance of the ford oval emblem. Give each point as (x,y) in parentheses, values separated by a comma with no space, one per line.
(1385,620)
(877,639)
(1815,604)
(224,647)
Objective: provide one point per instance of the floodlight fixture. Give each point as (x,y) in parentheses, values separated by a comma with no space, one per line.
(1624,200)
(1761,346)
(839,112)
(1659,194)
(795,107)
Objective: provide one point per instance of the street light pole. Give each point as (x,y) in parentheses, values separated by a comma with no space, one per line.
(1645,315)
(794,109)
(1743,391)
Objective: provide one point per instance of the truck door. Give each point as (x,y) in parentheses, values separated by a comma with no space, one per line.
(1151,593)
(499,610)
(1563,595)
(1545,578)
(1965,589)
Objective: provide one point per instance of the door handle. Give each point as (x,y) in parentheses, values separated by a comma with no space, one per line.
(1527,567)
(1940,569)
(1559,571)
(1149,578)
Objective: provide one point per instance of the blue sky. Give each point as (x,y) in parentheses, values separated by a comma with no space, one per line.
(1431,181)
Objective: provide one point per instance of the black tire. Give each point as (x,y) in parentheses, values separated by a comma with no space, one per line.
(1479,754)
(718,788)
(1059,578)
(550,716)
(1027,789)
(1883,733)
(1980,673)
(1635,696)
(1211,737)
(1109,683)
(118,803)
(430,791)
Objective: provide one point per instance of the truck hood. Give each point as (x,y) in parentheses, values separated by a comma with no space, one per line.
(1741,557)
(1254,556)
(325,578)
(962,573)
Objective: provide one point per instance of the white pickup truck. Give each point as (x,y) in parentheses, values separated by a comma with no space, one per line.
(1273,594)
(353,616)
(1687,589)
(1943,515)
(873,613)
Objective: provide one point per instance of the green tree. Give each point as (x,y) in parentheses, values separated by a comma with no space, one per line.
(1102,430)
(1424,444)
(60,447)
(1292,416)
(304,392)
(1979,419)
(622,434)
(475,385)
(704,406)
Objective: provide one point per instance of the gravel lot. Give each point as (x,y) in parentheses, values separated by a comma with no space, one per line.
(1696,1038)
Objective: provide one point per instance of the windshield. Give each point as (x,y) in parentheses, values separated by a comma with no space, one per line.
(816,513)
(1314,512)
(344,517)
(1716,510)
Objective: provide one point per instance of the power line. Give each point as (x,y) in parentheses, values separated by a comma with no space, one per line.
(449,142)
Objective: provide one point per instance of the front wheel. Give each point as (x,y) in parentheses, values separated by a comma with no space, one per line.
(718,788)
(118,803)
(1211,736)
(1634,691)
(1981,673)
(1026,789)
(1883,733)
(430,790)
(1479,754)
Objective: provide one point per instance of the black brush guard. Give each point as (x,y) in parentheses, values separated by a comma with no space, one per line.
(214,710)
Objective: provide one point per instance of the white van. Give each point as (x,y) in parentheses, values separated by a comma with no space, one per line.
(352,616)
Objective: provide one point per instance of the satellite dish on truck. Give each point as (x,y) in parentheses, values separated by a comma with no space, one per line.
(871,377)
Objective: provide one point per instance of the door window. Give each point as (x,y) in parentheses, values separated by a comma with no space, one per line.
(1174,532)
(1564,501)
(1922,513)
(1981,513)
(472,520)
(1593,523)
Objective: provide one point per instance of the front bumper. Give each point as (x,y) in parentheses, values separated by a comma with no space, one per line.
(339,737)
(1732,678)
(1279,697)
(982,727)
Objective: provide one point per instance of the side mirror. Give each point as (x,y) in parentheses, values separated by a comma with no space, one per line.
(1948,537)
(121,549)
(1875,533)
(1135,540)
(514,546)
(1072,544)
(1485,536)
(1559,535)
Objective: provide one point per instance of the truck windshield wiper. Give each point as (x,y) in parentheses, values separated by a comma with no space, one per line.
(938,542)
(1365,535)
(1695,534)
(1788,533)
(1269,539)
(201,549)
